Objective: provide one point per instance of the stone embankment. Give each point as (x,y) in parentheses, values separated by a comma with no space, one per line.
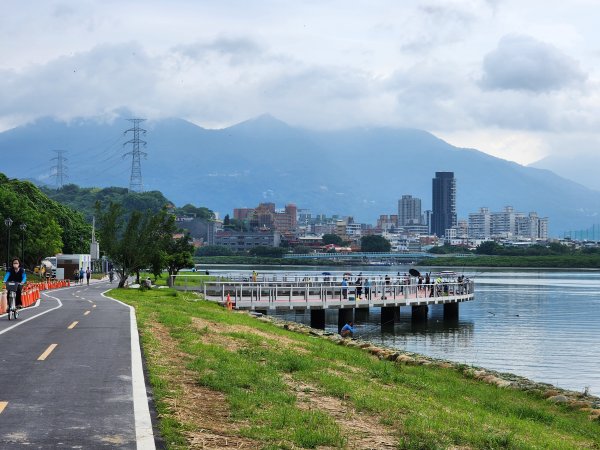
(575,400)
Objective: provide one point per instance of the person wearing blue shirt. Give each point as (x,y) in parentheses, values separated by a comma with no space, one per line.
(17,274)
(344,289)
(347,330)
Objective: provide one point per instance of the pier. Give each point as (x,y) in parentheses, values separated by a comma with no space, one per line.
(317,293)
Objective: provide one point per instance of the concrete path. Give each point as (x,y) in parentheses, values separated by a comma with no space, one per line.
(71,374)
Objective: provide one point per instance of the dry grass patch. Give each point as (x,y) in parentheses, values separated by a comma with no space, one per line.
(364,431)
(204,411)
(218,335)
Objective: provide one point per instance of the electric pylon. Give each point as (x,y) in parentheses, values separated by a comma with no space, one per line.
(135,181)
(60,169)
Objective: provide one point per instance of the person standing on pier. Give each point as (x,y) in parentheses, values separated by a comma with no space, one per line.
(359,286)
(367,287)
(344,289)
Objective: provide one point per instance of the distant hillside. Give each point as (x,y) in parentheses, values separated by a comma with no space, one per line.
(360,172)
(573,166)
(85,199)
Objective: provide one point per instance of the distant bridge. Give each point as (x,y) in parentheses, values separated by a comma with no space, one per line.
(374,255)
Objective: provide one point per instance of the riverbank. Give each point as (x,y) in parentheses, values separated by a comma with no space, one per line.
(225,379)
(263,261)
(551,262)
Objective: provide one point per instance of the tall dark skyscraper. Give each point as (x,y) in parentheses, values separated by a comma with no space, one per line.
(444,203)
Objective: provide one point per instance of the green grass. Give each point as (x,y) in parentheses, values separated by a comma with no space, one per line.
(430,407)
(190,279)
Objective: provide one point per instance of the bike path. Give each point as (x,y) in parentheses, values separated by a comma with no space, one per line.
(66,374)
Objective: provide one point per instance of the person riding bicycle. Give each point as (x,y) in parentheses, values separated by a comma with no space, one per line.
(17,274)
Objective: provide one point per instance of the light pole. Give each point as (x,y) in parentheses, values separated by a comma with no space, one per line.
(8,222)
(23,227)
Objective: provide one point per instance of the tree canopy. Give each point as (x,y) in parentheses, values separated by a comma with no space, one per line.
(50,227)
(85,199)
(332,239)
(374,244)
(135,243)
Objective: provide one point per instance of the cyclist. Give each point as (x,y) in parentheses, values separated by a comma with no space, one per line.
(17,274)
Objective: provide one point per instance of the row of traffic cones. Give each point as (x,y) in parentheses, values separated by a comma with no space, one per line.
(31,293)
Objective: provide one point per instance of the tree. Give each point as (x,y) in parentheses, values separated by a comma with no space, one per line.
(50,226)
(302,249)
(273,252)
(332,239)
(374,244)
(488,248)
(214,250)
(136,243)
(179,255)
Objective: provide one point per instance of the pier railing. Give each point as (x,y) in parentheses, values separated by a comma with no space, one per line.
(297,293)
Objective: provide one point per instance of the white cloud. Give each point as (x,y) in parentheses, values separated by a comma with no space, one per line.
(523,63)
(455,66)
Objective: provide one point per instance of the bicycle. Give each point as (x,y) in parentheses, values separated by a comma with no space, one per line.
(12,287)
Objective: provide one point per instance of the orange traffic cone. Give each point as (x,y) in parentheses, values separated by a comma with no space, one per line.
(229,303)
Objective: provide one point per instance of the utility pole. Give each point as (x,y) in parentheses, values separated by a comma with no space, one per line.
(60,169)
(135,181)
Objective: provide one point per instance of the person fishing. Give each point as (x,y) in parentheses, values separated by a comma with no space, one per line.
(348,330)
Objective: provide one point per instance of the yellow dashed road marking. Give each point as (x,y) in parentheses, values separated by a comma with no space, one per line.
(86,313)
(49,350)
(2,406)
(70,327)
(93,306)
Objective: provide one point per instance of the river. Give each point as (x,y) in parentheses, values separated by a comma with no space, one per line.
(541,324)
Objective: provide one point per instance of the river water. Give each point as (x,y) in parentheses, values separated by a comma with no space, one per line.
(541,324)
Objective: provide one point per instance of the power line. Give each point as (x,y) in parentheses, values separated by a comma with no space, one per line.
(135,180)
(60,169)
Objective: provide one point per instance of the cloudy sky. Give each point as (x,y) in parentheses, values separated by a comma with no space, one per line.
(517,79)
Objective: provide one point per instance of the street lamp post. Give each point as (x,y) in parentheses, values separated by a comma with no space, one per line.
(8,222)
(23,227)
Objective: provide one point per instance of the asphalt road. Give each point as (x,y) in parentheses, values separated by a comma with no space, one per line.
(67,375)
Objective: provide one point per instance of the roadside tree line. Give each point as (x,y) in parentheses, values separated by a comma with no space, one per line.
(141,240)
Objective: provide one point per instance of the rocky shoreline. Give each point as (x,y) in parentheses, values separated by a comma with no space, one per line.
(576,400)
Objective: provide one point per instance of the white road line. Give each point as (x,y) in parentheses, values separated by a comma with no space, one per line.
(143,424)
(46,353)
(21,322)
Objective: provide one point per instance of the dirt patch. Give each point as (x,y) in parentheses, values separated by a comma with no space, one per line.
(204,410)
(218,331)
(363,430)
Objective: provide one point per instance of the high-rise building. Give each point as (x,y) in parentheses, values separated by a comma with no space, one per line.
(480,224)
(426,220)
(444,203)
(409,210)
(504,222)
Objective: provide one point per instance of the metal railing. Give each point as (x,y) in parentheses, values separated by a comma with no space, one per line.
(300,295)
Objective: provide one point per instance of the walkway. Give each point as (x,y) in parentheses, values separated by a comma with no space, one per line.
(72,375)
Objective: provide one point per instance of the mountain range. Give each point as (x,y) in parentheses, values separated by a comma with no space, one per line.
(361,172)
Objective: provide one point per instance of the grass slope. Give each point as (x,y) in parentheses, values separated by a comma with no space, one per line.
(224,379)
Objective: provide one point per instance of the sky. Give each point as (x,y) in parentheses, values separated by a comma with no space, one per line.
(515,79)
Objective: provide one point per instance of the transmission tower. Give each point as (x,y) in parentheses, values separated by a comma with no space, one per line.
(135,181)
(60,169)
